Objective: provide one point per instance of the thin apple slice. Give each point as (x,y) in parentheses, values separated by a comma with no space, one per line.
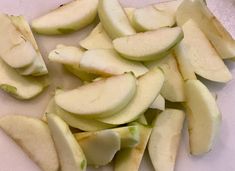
(158,103)
(173,87)
(203,115)
(97,39)
(38,67)
(134,47)
(149,18)
(165,138)
(70,153)
(148,88)
(203,57)
(15,49)
(67,18)
(114,19)
(108,62)
(34,137)
(99,147)
(209,24)
(93,100)
(130,158)
(169,7)
(16,85)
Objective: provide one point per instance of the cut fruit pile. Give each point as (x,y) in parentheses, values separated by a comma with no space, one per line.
(131,64)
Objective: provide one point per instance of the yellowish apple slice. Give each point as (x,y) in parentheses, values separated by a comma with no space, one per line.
(203,57)
(203,115)
(97,39)
(173,87)
(108,62)
(114,19)
(148,88)
(130,12)
(67,18)
(16,85)
(209,24)
(70,153)
(93,100)
(149,18)
(134,47)
(158,103)
(165,138)
(169,7)
(38,67)
(99,147)
(15,49)
(34,137)
(130,158)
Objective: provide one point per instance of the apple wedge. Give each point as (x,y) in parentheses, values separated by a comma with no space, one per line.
(203,57)
(97,39)
(108,62)
(173,87)
(134,47)
(15,49)
(93,100)
(165,138)
(114,19)
(148,88)
(67,18)
(70,153)
(149,18)
(99,147)
(38,67)
(209,24)
(169,7)
(130,158)
(16,85)
(158,103)
(203,121)
(34,137)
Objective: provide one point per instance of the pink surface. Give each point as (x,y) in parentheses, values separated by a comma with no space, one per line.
(221,158)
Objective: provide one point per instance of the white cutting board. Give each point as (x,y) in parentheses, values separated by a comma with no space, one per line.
(221,158)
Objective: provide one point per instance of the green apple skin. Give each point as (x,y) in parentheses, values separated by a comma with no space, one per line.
(67,18)
(33,136)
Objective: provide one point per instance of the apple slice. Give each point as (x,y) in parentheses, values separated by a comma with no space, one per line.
(70,153)
(99,147)
(38,67)
(149,18)
(34,137)
(130,12)
(134,47)
(209,24)
(203,57)
(203,115)
(169,7)
(114,19)
(97,39)
(130,158)
(165,138)
(17,85)
(15,49)
(67,18)
(108,62)
(93,100)
(173,87)
(158,103)
(148,88)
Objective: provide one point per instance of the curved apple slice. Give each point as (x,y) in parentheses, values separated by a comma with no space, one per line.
(108,62)
(165,138)
(94,99)
(34,137)
(67,18)
(203,115)
(134,47)
(148,88)
(66,145)
(149,18)
(114,19)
